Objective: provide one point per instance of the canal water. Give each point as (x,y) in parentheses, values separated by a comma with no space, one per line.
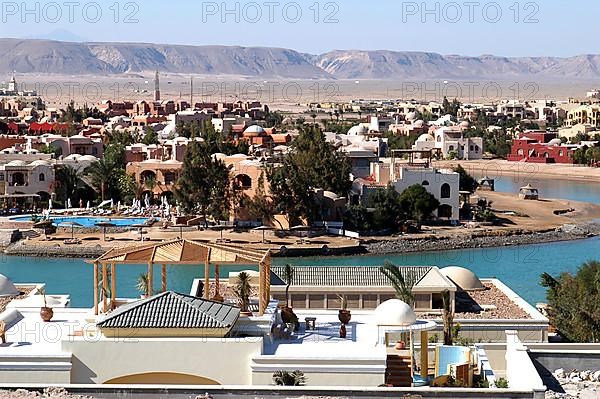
(518,267)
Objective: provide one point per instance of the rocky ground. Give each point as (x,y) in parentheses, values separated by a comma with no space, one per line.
(49,393)
(576,384)
(482,240)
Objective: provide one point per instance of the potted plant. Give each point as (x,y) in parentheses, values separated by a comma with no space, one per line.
(243,290)
(143,285)
(343,315)
(46,313)
(287,313)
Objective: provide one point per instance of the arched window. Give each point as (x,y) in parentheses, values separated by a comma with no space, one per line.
(546,155)
(520,151)
(446,190)
(42,177)
(425,183)
(244,181)
(451,148)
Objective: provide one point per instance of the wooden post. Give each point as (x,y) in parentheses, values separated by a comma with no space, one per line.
(96,282)
(424,355)
(262,306)
(207,280)
(150,282)
(104,286)
(113,285)
(164,278)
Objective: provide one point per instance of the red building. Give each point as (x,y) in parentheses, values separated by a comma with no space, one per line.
(540,147)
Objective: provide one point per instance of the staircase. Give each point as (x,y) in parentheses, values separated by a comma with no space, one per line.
(398,371)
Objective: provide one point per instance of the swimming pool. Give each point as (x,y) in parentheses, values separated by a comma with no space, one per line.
(88,221)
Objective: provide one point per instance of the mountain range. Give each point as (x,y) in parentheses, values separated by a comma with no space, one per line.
(70,58)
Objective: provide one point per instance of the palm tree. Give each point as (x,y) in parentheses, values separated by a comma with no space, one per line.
(243,290)
(68,181)
(288,276)
(402,284)
(100,174)
(290,379)
(150,182)
(314,118)
(143,284)
(448,318)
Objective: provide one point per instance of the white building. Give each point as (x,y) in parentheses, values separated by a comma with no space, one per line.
(444,185)
(451,141)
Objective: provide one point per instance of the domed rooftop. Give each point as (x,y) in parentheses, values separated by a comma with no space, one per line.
(254,131)
(425,138)
(16,163)
(40,162)
(463,278)
(7,288)
(394,312)
(464,124)
(73,157)
(419,123)
(411,116)
(358,130)
(555,142)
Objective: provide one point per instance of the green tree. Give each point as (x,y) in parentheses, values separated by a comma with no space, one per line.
(261,207)
(150,137)
(102,176)
(402,284)
(418,203)
(204,184)
(50,149)
(573,303)
(357,218)
(311,164)
(466,181)
(68,183)
(388,211)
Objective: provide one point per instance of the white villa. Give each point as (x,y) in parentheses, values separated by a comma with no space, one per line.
(449,141)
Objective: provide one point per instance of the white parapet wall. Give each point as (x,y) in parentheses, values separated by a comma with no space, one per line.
(520,370)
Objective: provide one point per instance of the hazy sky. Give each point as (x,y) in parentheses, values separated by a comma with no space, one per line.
(509,28)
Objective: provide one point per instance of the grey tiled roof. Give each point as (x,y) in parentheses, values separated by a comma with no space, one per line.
(172,310)
(343,276)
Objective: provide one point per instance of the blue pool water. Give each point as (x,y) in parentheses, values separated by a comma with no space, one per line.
(88,221)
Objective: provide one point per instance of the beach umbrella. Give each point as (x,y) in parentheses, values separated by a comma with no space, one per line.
(69,203)
(141,227)
(219,227)
(50,204)
(119,206)
(263,229)
(112,203)
(73,225)
(180,226)
(104,225)
(43,224)
(88,205)
(147,201)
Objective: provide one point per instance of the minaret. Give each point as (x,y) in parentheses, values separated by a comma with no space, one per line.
(192,92)
(12,85)
(156,87)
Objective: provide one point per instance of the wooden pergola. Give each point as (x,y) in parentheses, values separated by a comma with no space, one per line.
(179,252)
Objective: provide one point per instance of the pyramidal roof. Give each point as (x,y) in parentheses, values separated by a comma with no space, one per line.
(172,310)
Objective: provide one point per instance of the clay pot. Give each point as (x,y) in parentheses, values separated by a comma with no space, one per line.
(46,314)
(400,345)
(344,316)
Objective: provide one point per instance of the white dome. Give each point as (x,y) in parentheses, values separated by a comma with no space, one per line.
(254,130)
(358,130)
(555,142)
(425,138)
(464,124)
(40,162)
(395,313)
(90,158)
(411,116)
(7,288)
(73,157)
(419,123)
(463,278)
(16,163)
